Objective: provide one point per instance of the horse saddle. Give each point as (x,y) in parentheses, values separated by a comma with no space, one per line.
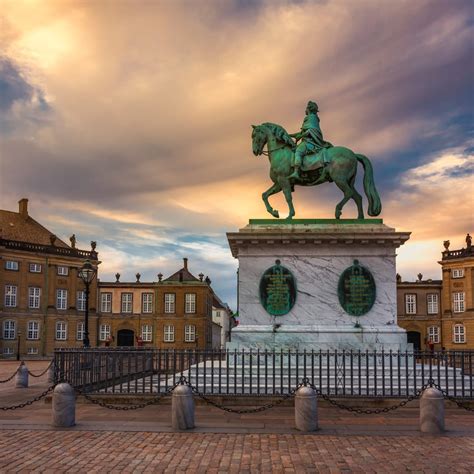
(314,161)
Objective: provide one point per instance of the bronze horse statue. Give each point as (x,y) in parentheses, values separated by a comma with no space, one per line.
(340,167)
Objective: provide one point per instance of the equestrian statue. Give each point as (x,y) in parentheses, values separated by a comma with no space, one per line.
(310,162)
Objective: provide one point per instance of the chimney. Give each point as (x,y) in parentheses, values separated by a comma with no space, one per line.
(23,208)
(185,262)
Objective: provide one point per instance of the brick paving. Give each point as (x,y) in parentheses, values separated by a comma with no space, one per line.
(143,440)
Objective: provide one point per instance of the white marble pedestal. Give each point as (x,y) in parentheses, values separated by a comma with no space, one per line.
(317,252)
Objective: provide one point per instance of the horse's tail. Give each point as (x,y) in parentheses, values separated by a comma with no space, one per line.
(375,205)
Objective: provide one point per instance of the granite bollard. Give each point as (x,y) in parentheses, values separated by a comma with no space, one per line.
(21,379)
(306,409)
(432,411)
(182,408)
(64,406)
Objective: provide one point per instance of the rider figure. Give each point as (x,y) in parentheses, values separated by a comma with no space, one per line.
(311,137)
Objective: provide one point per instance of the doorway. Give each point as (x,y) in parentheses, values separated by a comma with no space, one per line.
(125,337)
(414,337)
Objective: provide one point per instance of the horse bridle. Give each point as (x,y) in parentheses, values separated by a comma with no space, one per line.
(266,153)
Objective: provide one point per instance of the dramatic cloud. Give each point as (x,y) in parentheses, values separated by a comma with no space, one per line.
(129,122)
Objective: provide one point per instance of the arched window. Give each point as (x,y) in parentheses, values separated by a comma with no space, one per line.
(433,334)
(32,330)
(459,334)
(61,331)
(9,329)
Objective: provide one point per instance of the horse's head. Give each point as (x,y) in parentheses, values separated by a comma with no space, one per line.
(259,139)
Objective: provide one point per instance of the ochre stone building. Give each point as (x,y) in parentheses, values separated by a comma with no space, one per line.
(441,310)
(172,313)
(42,300)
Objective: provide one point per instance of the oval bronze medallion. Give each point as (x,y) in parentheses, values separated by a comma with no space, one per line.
(277,290)
(356,290)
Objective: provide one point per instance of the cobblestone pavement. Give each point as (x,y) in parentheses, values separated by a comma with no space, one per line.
(143,440)
(40,451)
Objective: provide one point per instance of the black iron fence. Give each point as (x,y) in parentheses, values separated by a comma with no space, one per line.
(266,373)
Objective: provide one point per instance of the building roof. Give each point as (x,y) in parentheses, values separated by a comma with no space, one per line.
(183,274)
(14,226)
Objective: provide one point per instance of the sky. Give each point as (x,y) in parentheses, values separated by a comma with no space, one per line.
(129,122)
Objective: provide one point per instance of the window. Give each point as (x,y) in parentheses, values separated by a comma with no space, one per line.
(169,334)
(34,296)
(11,265)
(127,302)
(458,302)
(32,350)
(104,332)
(189,333)
(9,329)
(190,303)
(147,333)
(35,267)
(106,302)
(32,330)
(61,299)
(147,302)
(10,296)
(8,351)
(61,331)
(64,271)
(410,304)
(80,332)
(432,303)
(459,334)
(433,334)
(81,300)
(457,272)
(170,302)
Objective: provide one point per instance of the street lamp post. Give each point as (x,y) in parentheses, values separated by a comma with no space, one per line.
(18,346)
(87,274)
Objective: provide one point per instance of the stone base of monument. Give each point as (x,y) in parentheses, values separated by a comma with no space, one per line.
(321,284)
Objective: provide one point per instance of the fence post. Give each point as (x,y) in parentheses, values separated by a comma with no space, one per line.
(182,408)
(21,378)
(306,409)
(64,406)
(432,411)
(51,373)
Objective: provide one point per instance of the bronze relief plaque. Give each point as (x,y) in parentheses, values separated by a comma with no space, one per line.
(277,290)
(356,290)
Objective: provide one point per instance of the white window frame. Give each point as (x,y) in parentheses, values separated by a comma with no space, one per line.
(11,292)
(410,303)
(9,329)
(12,265)
(126,302)
(80,330)
(60,331)
(104,332)
(62,270)
(457,273)
(61,299)
(32,350)
(106,302)
(81,300)
(189,333)
(459,302)
(170,303)
(432,303)
(459,334)
(34,297)
(147,302)
(147,332)
(35,267)
(168,333)
(433,334)
(190,303)
(8,351)
(32,330)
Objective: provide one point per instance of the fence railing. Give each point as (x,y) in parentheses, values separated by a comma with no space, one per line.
(266,373)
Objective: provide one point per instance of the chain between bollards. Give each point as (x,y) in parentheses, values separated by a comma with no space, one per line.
(44,371)
(29,402)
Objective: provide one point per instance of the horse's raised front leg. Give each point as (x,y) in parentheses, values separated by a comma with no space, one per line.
(275,188)
(286,187)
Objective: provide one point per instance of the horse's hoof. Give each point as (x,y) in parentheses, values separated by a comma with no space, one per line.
(276,214)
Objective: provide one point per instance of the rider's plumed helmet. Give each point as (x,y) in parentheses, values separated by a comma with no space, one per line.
(312,107)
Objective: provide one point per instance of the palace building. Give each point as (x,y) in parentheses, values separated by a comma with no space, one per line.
(172,313)
(441,311)
(42,300)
